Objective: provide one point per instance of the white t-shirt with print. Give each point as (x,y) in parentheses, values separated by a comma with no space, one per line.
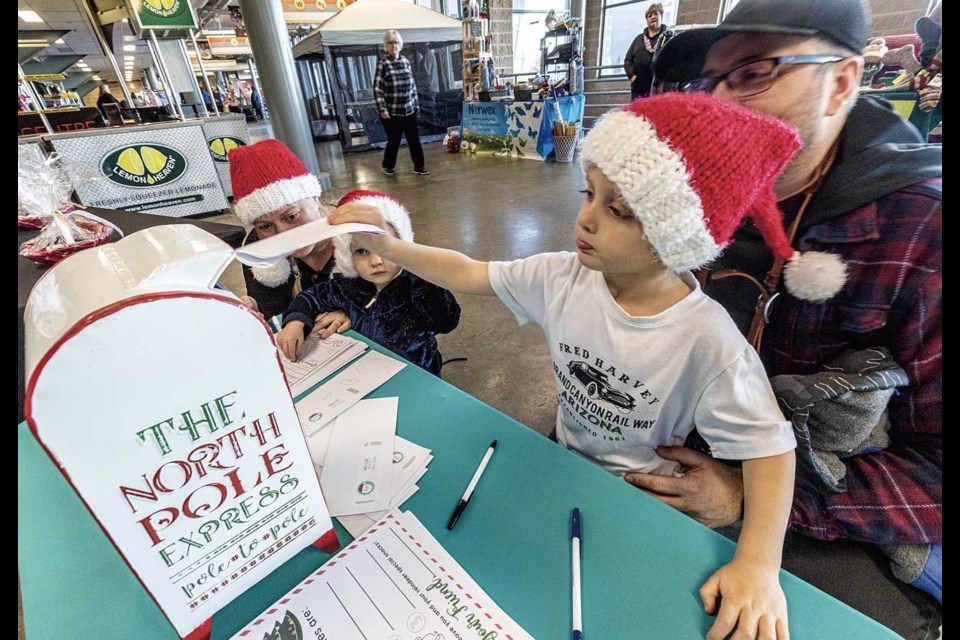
(628,384)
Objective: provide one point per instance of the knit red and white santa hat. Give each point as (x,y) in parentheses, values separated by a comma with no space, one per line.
(395,214)
(265,177)
(691,167)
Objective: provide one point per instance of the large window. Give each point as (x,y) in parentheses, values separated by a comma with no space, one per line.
(622,22)
(528,30)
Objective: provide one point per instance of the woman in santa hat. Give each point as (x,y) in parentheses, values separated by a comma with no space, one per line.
(274,192)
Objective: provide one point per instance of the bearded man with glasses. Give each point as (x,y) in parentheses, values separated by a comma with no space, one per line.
(867,188)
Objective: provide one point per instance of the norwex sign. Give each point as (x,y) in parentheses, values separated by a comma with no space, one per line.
(485,118)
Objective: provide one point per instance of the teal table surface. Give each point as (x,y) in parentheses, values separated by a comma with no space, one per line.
(643,562)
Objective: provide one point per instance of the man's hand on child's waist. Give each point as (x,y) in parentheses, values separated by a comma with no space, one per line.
(708,491)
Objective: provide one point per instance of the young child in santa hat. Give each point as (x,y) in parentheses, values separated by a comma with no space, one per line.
(641,356)
(392,307)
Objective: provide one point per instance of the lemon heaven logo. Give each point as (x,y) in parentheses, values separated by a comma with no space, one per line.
(164,8)
(220,147)
(143,165)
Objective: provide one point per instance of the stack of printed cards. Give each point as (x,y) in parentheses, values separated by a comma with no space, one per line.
(364,468)
(319,359)
(344,390)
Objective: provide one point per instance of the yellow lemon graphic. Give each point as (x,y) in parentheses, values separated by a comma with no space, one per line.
(168,4)
(217,147)
(156,4)
(152,159)
(130,162)
(228,144)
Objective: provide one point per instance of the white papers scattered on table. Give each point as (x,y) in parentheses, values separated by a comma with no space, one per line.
(348,455)
(270,251)
(395,581)
(318,359)
(345,389)
(409,465)
(357,475)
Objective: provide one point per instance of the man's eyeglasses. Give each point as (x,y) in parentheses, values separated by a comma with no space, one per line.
(754,77)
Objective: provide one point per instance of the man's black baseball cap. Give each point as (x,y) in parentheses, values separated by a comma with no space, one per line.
(845,22)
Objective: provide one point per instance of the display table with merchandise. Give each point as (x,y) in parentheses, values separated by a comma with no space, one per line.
(516,129)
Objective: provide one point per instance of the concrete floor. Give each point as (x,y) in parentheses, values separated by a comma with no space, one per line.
(490,209)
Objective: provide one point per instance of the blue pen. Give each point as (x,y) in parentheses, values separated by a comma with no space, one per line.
(575,542)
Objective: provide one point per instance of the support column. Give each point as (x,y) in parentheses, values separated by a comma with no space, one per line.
(274,55)
(173,99)
(203,72)
(107,49)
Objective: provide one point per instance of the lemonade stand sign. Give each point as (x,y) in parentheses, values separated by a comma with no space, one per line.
(167,170)
(223,134)
(162,14)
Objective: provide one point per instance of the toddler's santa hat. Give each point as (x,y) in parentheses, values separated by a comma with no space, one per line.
(265,177)
(692,167)
(392,211)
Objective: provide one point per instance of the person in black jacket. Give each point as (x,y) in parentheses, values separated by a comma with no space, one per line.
(638,63)
(274,192)
(392,307)
(106,97)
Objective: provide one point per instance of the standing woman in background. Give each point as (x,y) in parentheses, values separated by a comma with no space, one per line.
(395,90)
(638,63)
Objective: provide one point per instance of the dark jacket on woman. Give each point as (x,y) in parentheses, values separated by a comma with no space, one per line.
(274,300)
(639,60)
(404,316)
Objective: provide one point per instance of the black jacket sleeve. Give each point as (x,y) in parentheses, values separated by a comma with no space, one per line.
(270,300)
(630,58)
(439,311)
(320,298)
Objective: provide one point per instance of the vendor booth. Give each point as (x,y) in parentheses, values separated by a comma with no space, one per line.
(514,128)
(337,64)
(173,169)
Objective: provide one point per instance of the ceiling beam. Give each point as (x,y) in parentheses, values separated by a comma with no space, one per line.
(51,64)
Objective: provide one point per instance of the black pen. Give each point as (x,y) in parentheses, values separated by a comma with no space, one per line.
(473,485)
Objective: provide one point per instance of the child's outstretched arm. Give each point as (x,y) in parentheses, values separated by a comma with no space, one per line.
(752,600)
(448,269)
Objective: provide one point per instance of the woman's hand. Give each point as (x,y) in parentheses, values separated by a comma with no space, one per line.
(330,323)
(290,338)
(633,78)
(249,303)
(385,115)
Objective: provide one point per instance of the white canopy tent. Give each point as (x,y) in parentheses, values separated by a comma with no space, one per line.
(365,21)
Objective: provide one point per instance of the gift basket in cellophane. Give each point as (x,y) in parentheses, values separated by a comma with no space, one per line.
(43,202)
